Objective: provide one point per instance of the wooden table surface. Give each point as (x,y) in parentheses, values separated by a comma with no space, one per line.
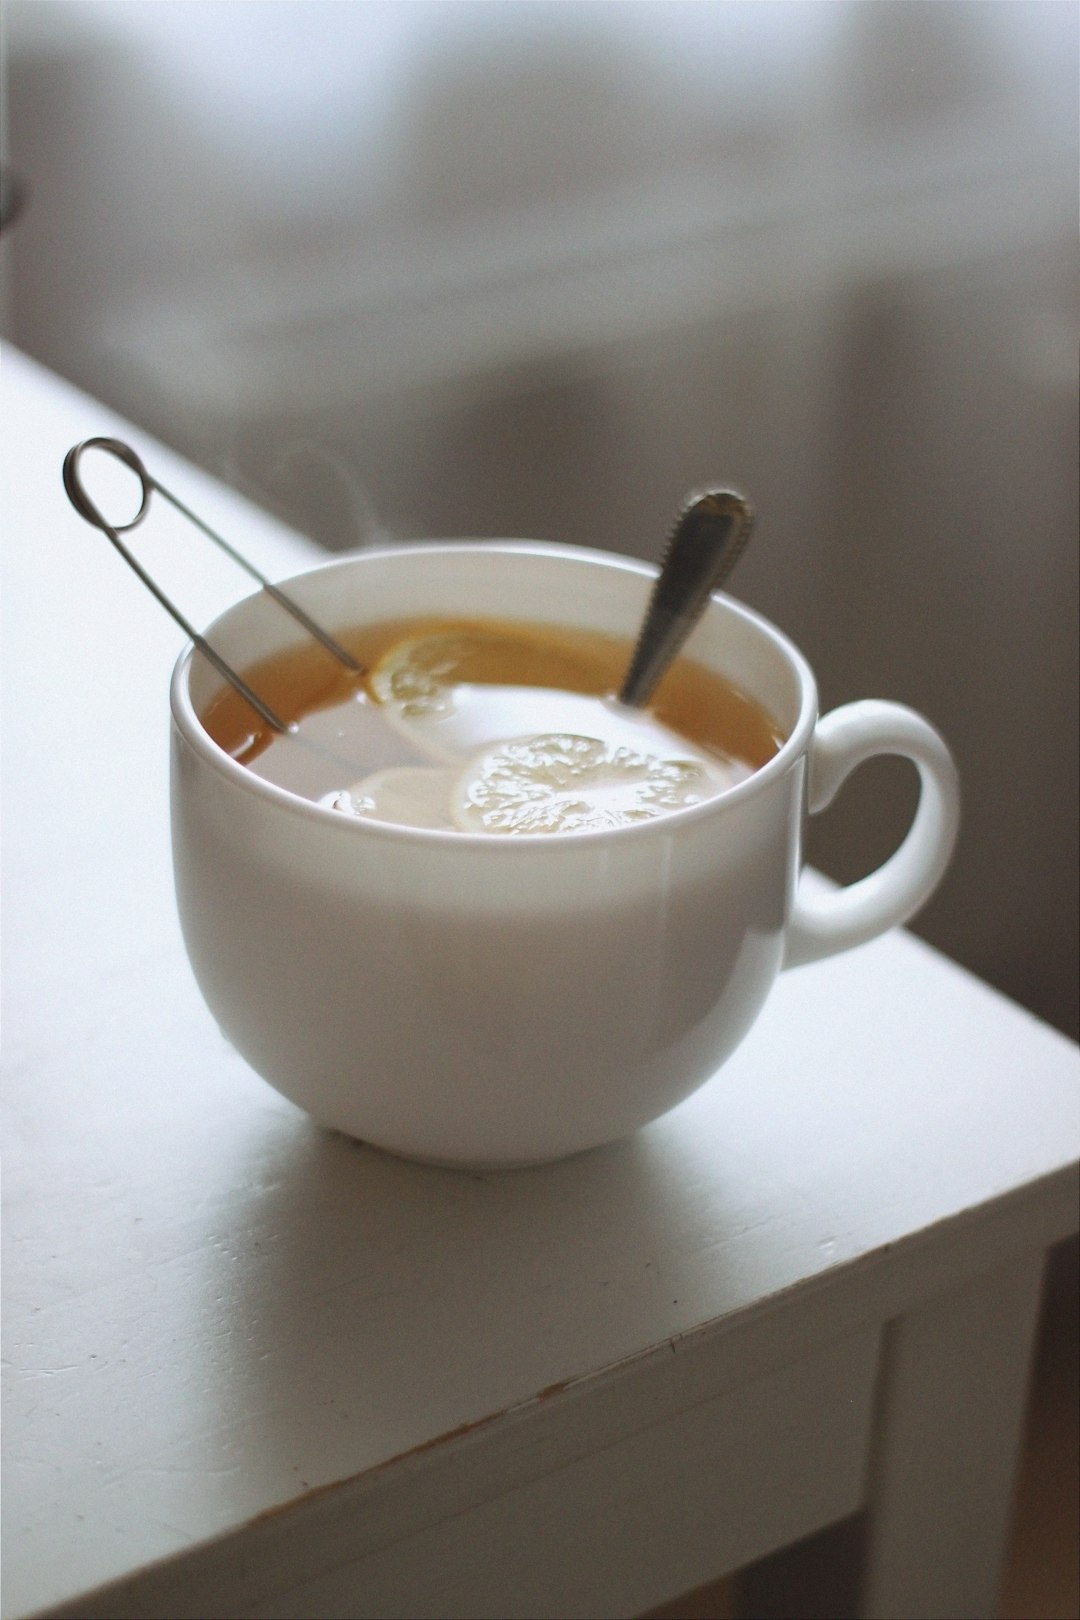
(253,1368)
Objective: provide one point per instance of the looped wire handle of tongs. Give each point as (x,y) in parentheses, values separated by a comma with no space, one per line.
(85,507)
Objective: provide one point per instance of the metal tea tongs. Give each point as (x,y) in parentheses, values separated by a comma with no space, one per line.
(85,507)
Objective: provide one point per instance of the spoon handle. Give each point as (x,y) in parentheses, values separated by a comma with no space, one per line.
(706,542)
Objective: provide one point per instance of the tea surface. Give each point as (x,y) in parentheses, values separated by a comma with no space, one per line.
(491,726)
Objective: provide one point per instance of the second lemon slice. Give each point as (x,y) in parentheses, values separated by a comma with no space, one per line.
(453,692)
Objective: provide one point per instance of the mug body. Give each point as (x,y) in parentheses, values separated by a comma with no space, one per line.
(483,1000)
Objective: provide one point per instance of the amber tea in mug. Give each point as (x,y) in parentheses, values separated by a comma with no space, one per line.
(434,693)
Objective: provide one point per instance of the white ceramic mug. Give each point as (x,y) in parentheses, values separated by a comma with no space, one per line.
(484,1001)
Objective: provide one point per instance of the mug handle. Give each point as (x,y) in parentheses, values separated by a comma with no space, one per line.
(823,924)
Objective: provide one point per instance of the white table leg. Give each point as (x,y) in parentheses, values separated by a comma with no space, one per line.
(951,1410)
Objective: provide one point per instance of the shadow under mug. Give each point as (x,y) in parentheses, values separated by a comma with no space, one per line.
(491,1001)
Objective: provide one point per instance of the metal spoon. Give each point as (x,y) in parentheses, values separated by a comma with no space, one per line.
(708,538)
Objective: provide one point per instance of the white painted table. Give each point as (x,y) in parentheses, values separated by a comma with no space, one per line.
(253,1369)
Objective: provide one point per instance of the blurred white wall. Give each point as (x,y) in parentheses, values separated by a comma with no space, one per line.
(530,268)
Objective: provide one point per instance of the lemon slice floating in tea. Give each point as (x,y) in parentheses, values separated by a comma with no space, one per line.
(415,677)
(561,783)
(457,690)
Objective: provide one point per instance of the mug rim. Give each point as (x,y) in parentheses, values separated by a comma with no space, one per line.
(193,731)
